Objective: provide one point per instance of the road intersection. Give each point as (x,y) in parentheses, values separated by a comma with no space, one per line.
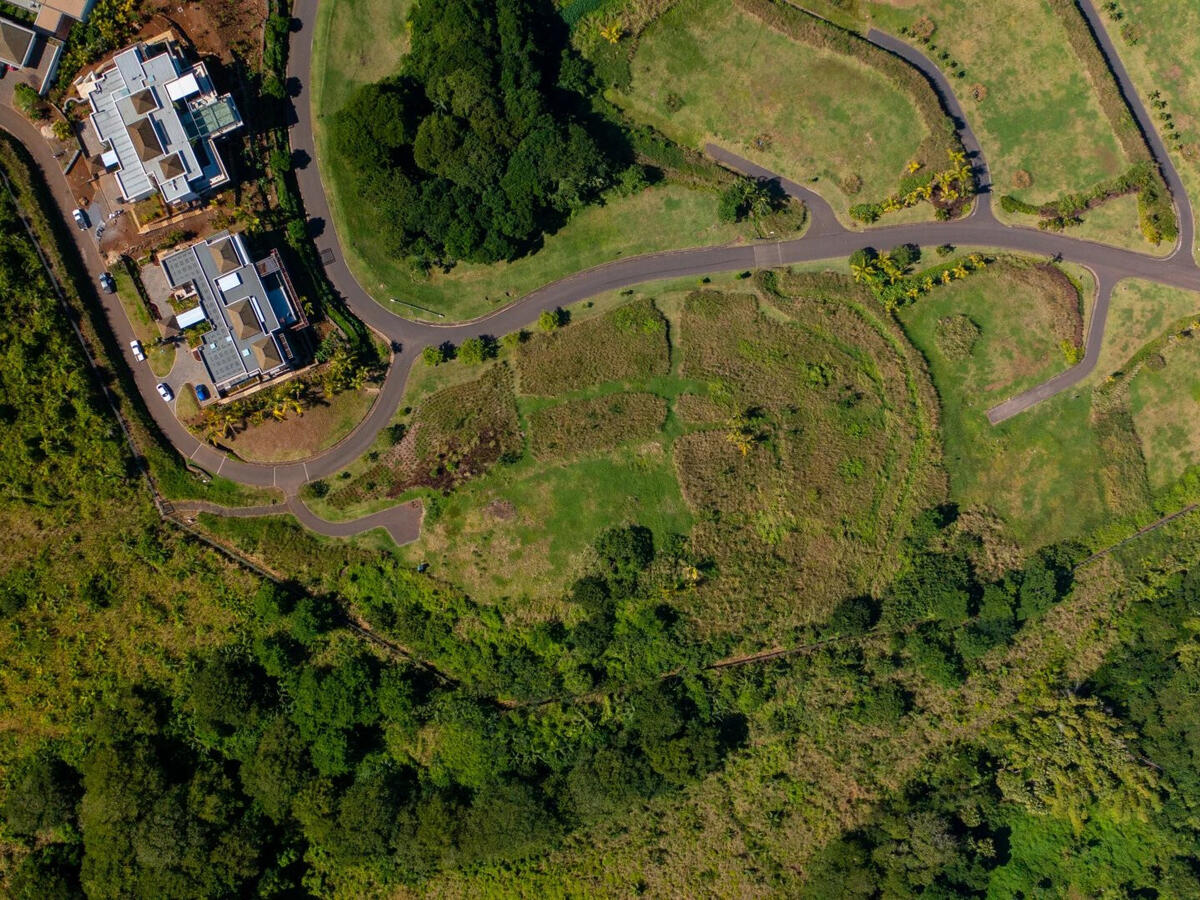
(825,239)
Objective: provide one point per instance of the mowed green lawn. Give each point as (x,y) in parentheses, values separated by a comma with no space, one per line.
(705,71)
(1165,57)
(1166,412)
(1139,312)
(1038,113)
(346,55)
(1039,470)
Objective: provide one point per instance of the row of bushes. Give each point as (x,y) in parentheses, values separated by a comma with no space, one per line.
(1067,210)
(327,301)
(1156,214)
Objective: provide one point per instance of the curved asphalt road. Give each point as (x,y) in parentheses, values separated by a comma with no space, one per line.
(826,238)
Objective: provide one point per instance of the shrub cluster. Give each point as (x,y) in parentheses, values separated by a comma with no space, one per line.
(1155,211)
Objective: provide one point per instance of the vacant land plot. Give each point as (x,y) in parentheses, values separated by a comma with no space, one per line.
(521,535)
(301,435)
(707,71)
(1159,42)
(1164,398)
(783,441)
(455,435)
(1042,471)
(1140,312)
(826,452)
(629,342)
(594,425)
(1037,115)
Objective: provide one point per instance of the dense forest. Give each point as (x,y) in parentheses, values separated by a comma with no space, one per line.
(484,139)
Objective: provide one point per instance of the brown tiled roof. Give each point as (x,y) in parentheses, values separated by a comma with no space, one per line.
(243,321)
(143,102)
(73,8)
(15,42)
(172,167)
(266,353)
(145,140)
(225,253)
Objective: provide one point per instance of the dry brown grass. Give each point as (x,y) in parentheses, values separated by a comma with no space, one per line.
(455,435)
(801,495)
(630,342)
(593,425)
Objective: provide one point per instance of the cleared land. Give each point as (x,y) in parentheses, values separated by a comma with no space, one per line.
(1159,42)
(707,71)
(1049,473)
(1029,100)
(1164,398)
(299,436)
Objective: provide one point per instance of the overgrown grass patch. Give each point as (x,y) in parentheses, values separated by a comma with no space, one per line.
(1044,472)
(629,342)
(801,493)
(1165,403)
(593,425)
(707,70)
(455,435)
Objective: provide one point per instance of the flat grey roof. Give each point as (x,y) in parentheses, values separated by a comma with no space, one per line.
(154,136)
(242,320)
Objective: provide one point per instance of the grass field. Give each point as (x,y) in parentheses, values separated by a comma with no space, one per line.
(347,55)
(1164,398)
(1039,121)
(300,436)
(160,357)
(595,424)
(1139,312)
(706,71)
(785,439)
(1165,57)
(629,342)
(1042,472)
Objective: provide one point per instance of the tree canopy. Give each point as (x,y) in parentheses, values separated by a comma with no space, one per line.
(476,147)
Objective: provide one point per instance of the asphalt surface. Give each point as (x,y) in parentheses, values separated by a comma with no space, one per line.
(825,238)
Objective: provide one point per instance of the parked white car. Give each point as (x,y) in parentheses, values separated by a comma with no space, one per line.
(136,347)
(164,391)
